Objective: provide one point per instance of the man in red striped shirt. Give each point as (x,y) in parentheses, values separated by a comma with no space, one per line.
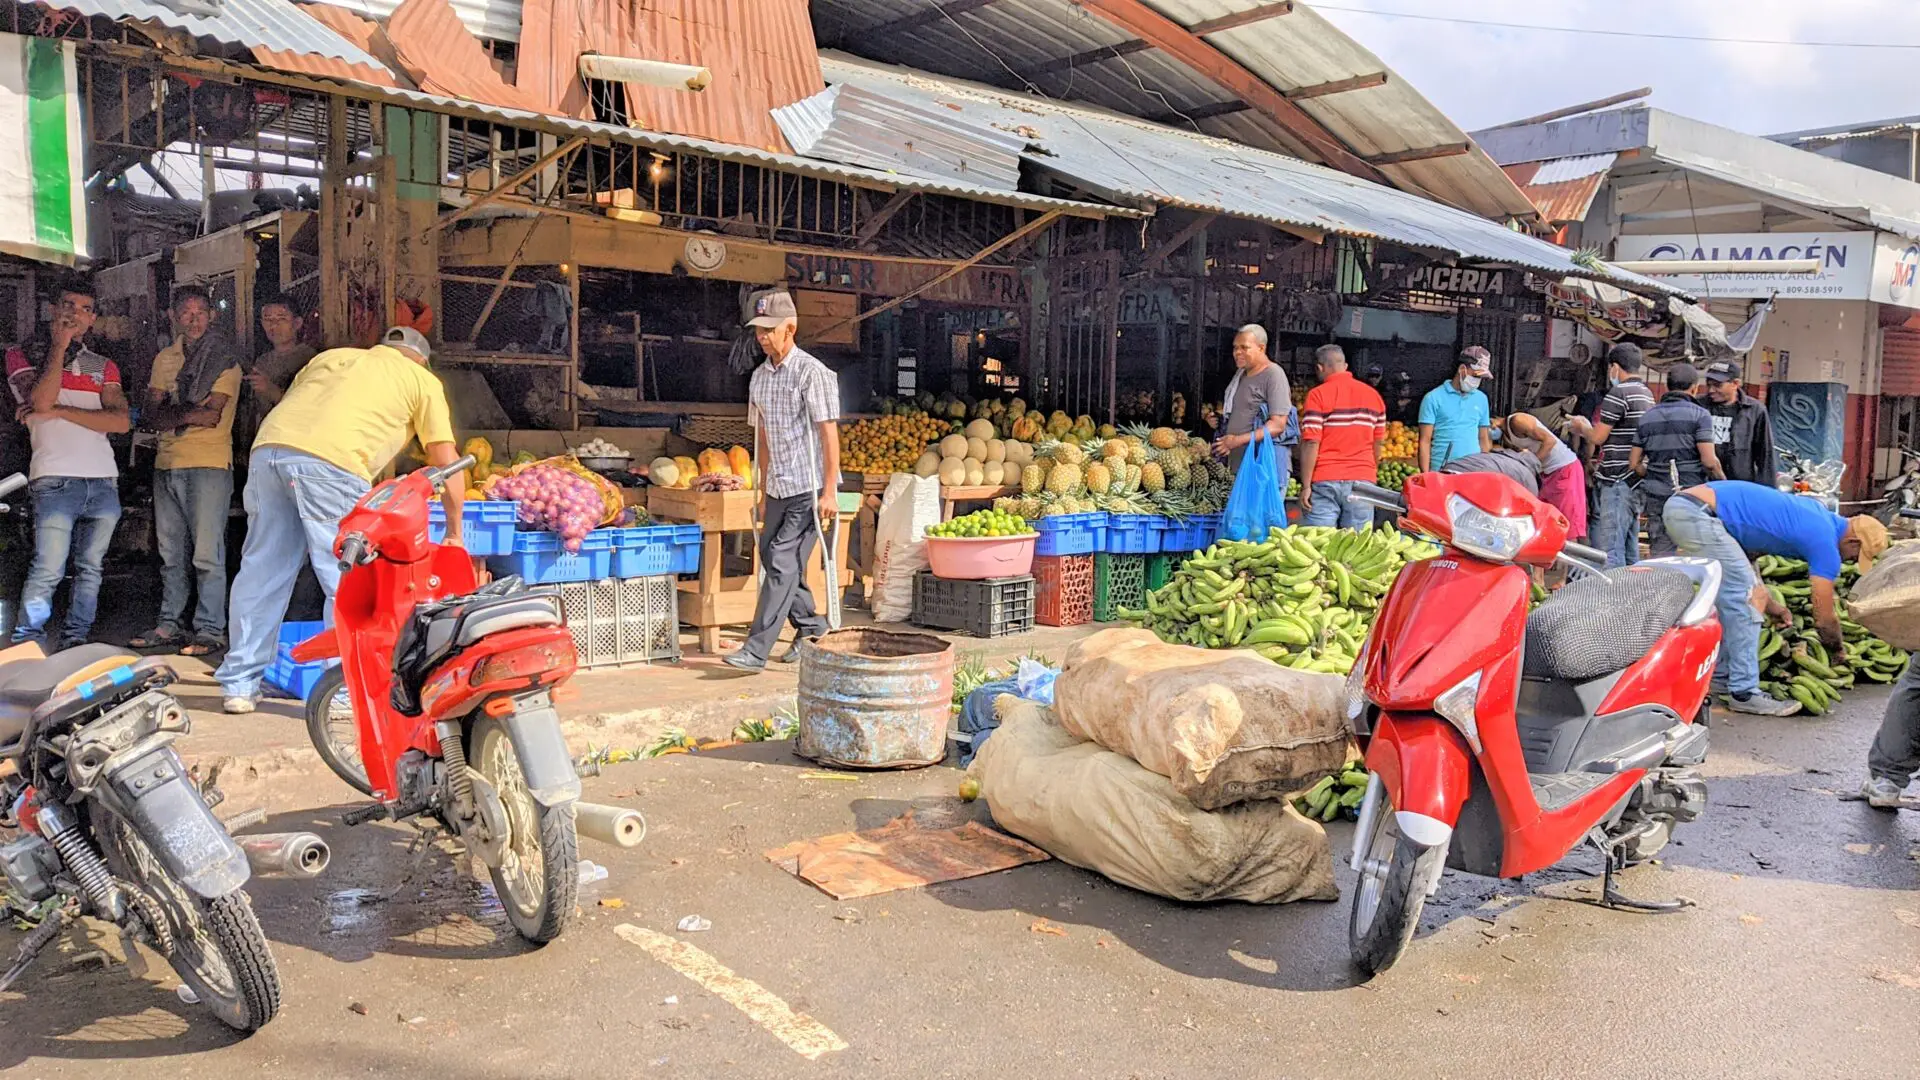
(1342,431)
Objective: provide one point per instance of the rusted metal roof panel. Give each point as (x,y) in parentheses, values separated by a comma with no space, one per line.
(441,56)
(496,20)
(278,33)
(1563,190)
(1007,42)
(847,123)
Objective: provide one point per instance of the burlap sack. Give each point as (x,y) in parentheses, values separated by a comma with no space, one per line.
(1224,725)
(1886,599)
(1099,811)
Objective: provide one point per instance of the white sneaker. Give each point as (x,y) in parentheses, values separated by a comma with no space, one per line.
(239,706)
(1881,793)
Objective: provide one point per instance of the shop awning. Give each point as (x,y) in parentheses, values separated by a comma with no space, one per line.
(42,170)
(1133,162)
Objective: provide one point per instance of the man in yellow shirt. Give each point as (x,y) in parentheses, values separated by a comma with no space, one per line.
(191,395)
(347,414)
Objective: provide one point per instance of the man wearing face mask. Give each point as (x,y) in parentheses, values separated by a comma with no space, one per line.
(1742,435)
(1455,417)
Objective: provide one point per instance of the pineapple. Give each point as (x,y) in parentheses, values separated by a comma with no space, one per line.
(1032,479)
(1114,448)
(1065,479)
(1136,452)
(1198,449)
(1099,478)
(1163,438)
(1132,485)
(1031,508)
(1178,477)
(1067,453)
(1152,480)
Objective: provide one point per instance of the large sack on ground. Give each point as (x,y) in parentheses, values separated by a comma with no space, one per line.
(1100,811)
(1224,726)
(1886,599)
(910,504)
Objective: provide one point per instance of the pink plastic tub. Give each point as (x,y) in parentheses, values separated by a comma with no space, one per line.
(976,558)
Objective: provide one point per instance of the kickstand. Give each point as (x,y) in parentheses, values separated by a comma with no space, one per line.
(39,939)
(1611,897)
(419,847)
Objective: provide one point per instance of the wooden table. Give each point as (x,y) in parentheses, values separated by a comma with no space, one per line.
(951,495)
(715,598)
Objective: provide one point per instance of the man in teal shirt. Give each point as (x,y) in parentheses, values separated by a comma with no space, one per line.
(1455,419)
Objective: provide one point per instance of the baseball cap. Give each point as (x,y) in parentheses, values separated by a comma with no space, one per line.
(1722,371)
(1872,536)
(1480,360)
(771,307)
(406,337)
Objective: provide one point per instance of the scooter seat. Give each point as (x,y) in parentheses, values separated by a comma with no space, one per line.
(1601,623)
(458,628)
(439,631)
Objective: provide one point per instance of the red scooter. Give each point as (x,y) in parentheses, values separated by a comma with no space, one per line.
(450,693)
(1499,740)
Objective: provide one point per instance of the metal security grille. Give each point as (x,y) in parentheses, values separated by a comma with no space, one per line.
(618,621)
(1078,375)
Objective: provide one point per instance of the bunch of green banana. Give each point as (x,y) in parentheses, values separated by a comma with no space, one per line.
(1334,796)
(1304,597)
(1794,664)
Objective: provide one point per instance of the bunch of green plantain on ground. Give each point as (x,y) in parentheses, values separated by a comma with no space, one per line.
(1304,597)
(1336,795)
(1793,662)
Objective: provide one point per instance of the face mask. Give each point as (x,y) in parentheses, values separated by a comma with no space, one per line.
(1471,382)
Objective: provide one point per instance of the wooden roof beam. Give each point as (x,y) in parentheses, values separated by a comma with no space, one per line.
(1298,93)
(939,12)
(1181,43)
(1128,48)
(1425,153)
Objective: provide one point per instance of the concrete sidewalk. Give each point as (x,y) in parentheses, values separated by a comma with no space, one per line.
(623,707)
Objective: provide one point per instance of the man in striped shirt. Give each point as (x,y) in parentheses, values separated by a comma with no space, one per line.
(1342,431)
(1618,530)
(793,403)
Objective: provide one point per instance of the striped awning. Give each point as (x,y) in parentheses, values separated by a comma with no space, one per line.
(42,178)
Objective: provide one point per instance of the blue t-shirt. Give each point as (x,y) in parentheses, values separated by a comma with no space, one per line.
(1457,419)
(1768,521)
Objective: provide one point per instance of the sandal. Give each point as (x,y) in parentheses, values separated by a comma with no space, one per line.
(201,646)
(157,638)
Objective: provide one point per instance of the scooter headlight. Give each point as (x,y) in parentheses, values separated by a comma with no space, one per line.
(1457,705)
(1489,536)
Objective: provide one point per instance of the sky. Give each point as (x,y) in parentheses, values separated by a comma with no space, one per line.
(1482,75)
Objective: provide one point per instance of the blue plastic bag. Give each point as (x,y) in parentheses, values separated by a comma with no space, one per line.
(1258,502)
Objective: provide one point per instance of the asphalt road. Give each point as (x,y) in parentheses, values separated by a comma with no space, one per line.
(1801,960)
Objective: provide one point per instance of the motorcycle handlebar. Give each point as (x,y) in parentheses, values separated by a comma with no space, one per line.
(354,550)
(12,484)
(441,475)
(1375,495)
(1585,554)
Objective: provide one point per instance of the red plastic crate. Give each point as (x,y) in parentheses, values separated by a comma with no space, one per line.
(1063,590)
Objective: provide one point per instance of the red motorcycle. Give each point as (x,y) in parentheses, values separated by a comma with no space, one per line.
(1499,740)
(442,705)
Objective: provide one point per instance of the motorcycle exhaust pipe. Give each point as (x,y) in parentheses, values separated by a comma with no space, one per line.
(614,825)
(294,854)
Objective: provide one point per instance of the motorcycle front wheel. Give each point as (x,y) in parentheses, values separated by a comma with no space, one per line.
(1394,879)
(538,878)
(217,947)
(334,731)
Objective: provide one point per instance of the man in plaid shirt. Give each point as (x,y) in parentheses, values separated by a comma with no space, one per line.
(793,403)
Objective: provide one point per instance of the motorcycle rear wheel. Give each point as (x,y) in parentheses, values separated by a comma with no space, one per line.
(218,950)
(538,879)
(334,731)
(1392,890)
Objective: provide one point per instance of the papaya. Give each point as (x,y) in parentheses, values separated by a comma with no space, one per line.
(689,469)
(714,461)
(482,452)
(741,463)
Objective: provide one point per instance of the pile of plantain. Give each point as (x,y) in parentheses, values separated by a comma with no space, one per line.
(1304,597)
(1335,796)
(1793,662)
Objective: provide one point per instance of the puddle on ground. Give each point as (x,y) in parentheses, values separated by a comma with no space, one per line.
(449,912)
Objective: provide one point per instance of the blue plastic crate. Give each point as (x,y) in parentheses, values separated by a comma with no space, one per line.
(652,550)
(293,633)
(1133,534)
(539,558)
(1212,525)
(1070,534)
(487,527)
(1186,534)
(298,680)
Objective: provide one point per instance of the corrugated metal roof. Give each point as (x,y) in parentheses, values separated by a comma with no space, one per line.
(848,123)
(274,25)
(495,19)
(1564,189)
(1004,41)
(438,53)
(1130,160)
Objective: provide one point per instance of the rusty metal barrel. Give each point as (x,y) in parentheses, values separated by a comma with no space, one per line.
(875,699)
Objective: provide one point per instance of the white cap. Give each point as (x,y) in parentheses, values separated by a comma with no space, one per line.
(406,337)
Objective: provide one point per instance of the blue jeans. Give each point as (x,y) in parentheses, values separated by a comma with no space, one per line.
(1330,506)
(190,524)
(1618,531)
(72,515)
(1695,531)
(294,505)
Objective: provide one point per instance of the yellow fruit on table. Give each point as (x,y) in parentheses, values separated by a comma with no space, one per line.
(888,444)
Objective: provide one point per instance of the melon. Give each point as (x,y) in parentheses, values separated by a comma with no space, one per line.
(977,449)
(994,474)
(953,447)
(663,472)
(928,465)
(953,472)
(980,429)
(1019,453)
(996,451)
(976,473)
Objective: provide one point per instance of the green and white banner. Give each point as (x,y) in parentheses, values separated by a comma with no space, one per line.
(43,210)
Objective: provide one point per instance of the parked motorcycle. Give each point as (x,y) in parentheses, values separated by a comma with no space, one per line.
(111,825)
(1901,491)
(442,706)
(1497,740)
(1801,476)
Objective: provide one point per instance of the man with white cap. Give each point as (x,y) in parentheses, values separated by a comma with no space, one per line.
(793,403)
(1455,417)
(346,416)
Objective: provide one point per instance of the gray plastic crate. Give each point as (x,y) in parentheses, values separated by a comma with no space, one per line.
(619,621)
